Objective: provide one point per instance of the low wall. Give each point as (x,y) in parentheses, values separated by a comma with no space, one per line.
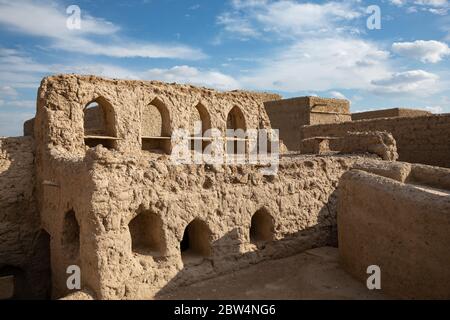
(404,228)
(423,139)
(389,113)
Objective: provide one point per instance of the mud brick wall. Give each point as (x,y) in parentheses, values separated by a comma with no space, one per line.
(24,251)
(400,227)
(423,139)
(390,113)
(289,115)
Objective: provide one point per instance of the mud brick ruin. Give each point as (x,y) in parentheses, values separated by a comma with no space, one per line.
(91,183)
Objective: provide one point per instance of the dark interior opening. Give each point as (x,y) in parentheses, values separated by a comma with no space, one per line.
(196,240)
(147,236)
(261,229)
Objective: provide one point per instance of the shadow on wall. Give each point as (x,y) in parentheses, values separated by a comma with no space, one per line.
(24,247)
(211,259)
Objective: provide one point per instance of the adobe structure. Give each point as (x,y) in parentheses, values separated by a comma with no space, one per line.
(92,184)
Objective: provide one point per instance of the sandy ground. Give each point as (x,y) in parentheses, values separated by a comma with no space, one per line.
(314,274)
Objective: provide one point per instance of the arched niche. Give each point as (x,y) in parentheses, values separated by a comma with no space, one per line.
(236,142)
(147,234)
(196,242)
(100,124)
(199,124)
(262,227)
(155,127)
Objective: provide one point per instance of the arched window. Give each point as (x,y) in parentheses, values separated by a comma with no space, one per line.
(71,236)
(155,127)
(261,229)
(236,141)
(196,240)
(199,123)
(147,236)
(99,124)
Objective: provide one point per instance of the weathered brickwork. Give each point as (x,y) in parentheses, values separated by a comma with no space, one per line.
(424,139)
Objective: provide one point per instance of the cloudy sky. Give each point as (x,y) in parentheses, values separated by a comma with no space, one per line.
(289,47)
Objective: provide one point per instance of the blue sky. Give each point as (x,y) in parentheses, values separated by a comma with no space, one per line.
(290,47)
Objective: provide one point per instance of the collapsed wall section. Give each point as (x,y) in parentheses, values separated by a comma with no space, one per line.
(424,139)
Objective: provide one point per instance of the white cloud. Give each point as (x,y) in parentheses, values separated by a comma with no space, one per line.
(45,19)
(338,95)
(433,3)
(7,91)
(286,18)
(129,49)
(438,7)
(48,20)
(237,26)
(20,71)
(425,51)
(398,2)
(435,109)
(191,75)
(22,104)
(346,63)
(417,82)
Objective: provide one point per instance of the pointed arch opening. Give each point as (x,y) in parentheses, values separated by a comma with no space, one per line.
(262,227)
(199,124)
(100,124)
(155,127)
(236,142)
(196,242)
(147,235)
(71,236)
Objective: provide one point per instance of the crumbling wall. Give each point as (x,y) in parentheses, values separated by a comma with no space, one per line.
(402,227)
(24,247)
(91,198)
(423,139)
(300,201)
(389,113)
(62,100)
(288,115)
(72,174)
(376,142)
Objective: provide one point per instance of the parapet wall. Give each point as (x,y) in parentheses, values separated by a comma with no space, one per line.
(389,113)
(230,205)
(397,218)
(424,139)
(24,248)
